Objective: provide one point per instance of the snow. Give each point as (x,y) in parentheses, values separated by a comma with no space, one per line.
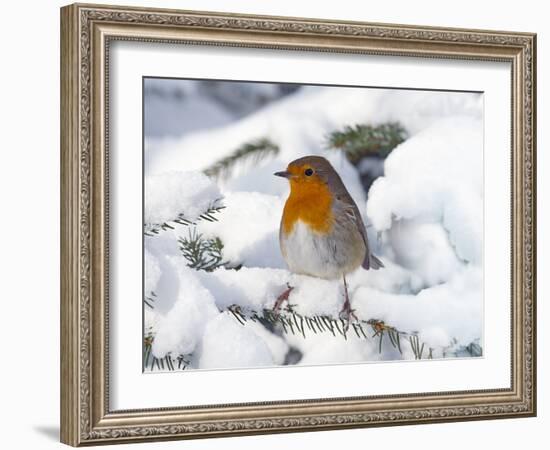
(429,178)
(181,328)
(228,344)
(249,229)
(424,218)
(438,313)
(253,288)
(177,107)
(172,193)
(299,123)
(151,271)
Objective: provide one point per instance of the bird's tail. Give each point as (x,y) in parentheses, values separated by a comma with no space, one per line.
(372,262)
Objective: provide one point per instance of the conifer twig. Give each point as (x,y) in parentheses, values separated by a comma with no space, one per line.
(292,322)
(168,362)
(250,152)
(149,300)
(363,140)
(201,253)
(152,229)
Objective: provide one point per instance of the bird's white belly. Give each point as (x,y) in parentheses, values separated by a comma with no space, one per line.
(310,253)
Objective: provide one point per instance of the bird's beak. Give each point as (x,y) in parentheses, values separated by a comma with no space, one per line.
(284,174)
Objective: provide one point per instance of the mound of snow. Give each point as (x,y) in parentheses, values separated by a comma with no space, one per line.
(172,193)
(228,344)
(299,123)
(433,178)
(249,229)
(182,327)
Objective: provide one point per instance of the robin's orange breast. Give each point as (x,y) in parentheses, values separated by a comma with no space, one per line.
(310,202)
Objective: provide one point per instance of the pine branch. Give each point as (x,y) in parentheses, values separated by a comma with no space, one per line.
(290,322)
(149,300)
(153,229)
(364,140)
(474,349)
(249,153)
(201,253)
(168,362)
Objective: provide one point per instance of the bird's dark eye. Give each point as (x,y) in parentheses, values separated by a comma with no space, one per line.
(308,172)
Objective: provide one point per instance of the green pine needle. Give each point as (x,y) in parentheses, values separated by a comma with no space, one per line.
(201,253)
(153,229)
(168,362)
(149,300)
(290,322)
(364,140)
(249,153)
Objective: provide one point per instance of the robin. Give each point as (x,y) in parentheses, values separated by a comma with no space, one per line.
(322,233)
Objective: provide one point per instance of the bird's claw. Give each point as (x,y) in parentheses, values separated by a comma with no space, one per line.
(347,314)
(283,297)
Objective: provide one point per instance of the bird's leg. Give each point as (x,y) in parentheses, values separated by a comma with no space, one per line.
(347,313)
(283,297)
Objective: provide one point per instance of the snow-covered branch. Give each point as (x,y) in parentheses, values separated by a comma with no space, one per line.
(179,198)
(288,321)
(250,153)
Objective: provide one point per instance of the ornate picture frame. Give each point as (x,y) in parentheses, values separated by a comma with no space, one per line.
(87,31)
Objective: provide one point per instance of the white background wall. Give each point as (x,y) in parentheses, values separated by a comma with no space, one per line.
(29,229)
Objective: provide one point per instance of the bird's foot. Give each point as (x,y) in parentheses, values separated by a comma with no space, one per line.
(282,298)
(347,313)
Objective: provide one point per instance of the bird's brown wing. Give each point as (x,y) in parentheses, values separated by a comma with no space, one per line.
(370,261)
(352,211)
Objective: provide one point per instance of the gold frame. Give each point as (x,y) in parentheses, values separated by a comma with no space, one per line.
(86,31)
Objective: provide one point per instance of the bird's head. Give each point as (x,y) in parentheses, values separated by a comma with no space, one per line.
(312,181)
(308,172)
